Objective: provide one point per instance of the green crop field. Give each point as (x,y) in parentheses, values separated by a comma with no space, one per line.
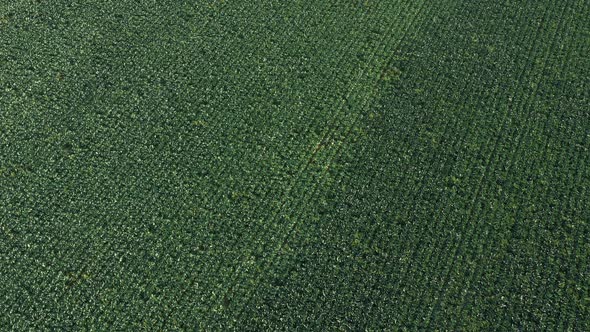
(294,165)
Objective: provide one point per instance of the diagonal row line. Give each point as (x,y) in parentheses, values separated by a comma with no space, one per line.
(337,152)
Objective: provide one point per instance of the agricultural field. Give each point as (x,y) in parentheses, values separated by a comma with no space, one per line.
(294,165)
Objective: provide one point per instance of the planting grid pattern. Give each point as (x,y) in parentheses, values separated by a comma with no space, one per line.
(294,165)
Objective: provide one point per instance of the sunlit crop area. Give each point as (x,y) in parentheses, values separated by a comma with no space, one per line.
(294,165)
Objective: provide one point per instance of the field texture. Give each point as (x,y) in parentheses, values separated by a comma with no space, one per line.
(294,165)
